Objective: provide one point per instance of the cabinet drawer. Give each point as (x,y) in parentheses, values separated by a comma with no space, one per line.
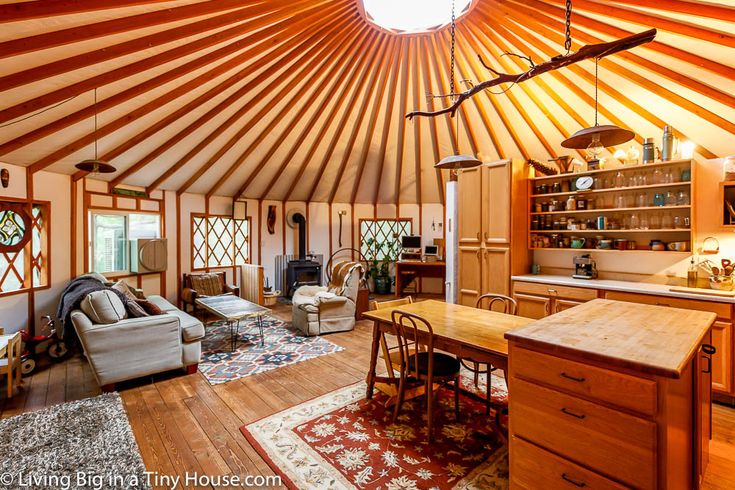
(722,310)
(532,467)
(616,388)
(613,443)
(581,294)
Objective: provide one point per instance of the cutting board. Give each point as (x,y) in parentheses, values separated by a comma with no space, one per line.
(703,291)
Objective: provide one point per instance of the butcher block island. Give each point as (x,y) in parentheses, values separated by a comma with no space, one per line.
(611,394)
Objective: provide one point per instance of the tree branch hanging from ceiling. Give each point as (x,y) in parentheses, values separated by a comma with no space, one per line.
(590,51)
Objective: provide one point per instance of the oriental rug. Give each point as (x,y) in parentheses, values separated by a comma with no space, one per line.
(343,441)
(283,346)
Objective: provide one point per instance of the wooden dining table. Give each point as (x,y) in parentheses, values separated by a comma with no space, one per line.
(469,333)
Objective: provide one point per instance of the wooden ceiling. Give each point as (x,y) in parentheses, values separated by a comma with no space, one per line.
(304,99)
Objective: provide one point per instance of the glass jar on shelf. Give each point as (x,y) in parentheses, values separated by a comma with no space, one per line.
(620,180)
(620,201)
(642,200)
(655,221)
(682,198)
(659,199)
(635,222)
(667,221)
(658,177)
(669,176)
(642,178)
(645,222)
(670,198)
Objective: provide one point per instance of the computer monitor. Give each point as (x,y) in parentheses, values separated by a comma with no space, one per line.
(411,241)
(431,250)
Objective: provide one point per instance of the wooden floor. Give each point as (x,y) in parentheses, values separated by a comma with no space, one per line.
(185,425)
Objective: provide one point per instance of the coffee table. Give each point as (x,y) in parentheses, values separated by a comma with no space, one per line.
(233,309)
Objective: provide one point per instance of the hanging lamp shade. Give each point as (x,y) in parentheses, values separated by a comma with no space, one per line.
(456,162)
(95,166)
(609,136)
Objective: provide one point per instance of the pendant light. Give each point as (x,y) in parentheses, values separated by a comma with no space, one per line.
(456,161)
(598,137)
(94,165)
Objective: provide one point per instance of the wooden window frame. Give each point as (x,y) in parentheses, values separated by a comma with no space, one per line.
(375,220)
(30,262)
(204,251)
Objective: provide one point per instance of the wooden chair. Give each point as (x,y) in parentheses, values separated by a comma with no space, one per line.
(11,364)
(508,306)
(391,360)
(423,366)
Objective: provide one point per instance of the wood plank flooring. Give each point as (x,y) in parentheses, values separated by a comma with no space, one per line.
(184,424)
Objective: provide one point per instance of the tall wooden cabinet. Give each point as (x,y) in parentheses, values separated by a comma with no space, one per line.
(492,225)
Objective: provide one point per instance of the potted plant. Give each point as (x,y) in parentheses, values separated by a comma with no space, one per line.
(384,255)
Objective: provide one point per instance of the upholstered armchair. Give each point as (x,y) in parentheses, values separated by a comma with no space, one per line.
(325,309)
(201,285)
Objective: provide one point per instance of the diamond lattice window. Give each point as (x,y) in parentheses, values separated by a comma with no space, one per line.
(27,268)
(219,241)
(385,234)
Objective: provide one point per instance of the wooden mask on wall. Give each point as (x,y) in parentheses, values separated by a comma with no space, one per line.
(271,221)
(4,177)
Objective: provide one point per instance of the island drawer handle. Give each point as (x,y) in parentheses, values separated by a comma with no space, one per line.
(708,349)
(709,365)
(552,291)
(576,415)
(662,304)
(574,482)
(573,378)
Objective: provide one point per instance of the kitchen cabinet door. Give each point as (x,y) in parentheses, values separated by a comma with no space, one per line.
(722,359)
(564,304)
(496,270)
(470,203)
(496,203)
(470,275)
(530,306)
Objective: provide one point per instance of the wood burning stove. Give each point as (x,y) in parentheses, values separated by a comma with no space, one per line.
(306,270)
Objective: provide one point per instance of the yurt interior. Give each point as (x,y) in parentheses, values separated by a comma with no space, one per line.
(367,244)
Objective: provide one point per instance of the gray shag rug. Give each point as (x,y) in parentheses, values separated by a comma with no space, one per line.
(82,444)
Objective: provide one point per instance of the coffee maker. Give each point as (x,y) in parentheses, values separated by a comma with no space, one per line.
(584,267)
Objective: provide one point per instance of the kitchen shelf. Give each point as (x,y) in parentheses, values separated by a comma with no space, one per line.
(610,250)
(613,189)
(624,168)
(650,230)
(614,210)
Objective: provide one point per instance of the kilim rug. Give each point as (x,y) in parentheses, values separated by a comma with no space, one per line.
(283,346)
(343,441)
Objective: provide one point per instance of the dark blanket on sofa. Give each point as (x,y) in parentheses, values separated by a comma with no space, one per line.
(72,297)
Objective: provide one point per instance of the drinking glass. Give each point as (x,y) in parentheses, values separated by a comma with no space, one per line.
(642,200)
(667,222)
(655,221)
(635,222)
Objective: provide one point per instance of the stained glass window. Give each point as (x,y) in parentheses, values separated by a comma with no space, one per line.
(219,241)
(28,267)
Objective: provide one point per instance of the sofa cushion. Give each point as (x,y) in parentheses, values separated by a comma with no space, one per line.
(207,284)
(103,307)
(136,310)
(151,308)
(162,303)
(124,288)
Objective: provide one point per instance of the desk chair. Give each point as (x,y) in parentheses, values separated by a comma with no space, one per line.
(11,365)
(420,364)
(505,304)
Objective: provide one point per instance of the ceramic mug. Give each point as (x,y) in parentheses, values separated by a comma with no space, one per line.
(678,246)
(657,245)
(578,242)
(621,244)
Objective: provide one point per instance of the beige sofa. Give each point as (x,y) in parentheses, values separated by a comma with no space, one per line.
(324,309)
(136,347)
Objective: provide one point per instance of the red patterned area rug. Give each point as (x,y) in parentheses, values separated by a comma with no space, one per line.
(343,441)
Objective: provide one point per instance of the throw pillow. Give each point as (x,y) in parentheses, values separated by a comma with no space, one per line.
(124,288)
(151,308)
(103,307)
(136,310)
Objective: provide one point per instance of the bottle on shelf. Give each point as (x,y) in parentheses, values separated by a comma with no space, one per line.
(649,150)
(667,145)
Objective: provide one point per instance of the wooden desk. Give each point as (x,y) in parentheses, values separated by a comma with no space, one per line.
(460,330)
(420,269)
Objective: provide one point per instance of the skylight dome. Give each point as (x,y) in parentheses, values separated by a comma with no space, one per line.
(409,16)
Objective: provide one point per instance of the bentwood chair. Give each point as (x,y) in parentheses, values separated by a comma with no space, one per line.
(420,364)
(391,359)
(501,304)
(11,364)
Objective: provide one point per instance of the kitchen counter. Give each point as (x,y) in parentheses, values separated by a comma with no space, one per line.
(646,338)
(624,286)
